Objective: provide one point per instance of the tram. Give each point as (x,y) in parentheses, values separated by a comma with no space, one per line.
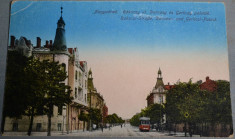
(144,124)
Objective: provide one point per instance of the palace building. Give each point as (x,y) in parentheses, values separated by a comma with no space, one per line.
(64,118)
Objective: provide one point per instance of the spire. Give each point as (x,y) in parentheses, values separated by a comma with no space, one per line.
(61,10)
(90,73)
(159,79)
(60,41)
(159,73)
(90,81)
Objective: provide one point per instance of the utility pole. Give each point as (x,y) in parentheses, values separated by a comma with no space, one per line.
(90,110)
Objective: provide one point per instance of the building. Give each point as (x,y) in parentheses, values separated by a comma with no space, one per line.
(158,94)
(64,118)
(78,82)
(105,112)
(208,85)
(95,99)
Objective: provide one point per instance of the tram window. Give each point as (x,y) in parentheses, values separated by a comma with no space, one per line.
(144,122)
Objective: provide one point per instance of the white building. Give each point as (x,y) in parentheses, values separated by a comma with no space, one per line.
(66,118)
(158,94)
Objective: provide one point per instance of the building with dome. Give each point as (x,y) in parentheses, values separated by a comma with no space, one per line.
(158,93)
(64,119)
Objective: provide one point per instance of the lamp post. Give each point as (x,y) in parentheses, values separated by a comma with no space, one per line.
(90,111)
(64,115)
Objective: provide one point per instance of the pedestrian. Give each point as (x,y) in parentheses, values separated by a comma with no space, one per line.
(110,127)
(102,127)
(121,125)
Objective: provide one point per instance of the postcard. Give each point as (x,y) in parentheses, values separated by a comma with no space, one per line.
(117,69)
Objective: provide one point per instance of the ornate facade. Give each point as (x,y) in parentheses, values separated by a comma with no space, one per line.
(66,118)
(158,94)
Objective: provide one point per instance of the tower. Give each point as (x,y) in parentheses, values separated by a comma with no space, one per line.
(60,41)
(159,80)
(159,73)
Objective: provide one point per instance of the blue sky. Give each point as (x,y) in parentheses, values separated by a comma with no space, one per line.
(88,30)
(126,55)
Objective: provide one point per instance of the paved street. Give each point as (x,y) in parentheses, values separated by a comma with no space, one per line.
(117,131)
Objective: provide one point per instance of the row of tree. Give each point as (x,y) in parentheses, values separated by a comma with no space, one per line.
(113,119)
(33,87)
(155,112)
(188,104)
(198,109)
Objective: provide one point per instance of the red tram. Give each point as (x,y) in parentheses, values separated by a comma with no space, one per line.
(144,124)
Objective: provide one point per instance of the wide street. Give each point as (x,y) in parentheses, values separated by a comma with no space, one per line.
(116,131)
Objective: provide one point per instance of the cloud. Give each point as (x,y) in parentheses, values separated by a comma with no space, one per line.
(22,9)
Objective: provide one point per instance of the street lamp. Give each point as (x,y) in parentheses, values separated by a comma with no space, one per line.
(90,110)
(64,116)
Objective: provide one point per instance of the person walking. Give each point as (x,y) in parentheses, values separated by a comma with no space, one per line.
(102,128)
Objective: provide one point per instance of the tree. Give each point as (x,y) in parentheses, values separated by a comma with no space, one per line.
(185,104)
(95,115)
(57,93)
(83,117)
(35,76)
(135,120)
(155,112)
(15,98)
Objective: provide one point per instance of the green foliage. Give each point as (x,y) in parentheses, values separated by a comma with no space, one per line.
(134,121)
(187,103)
(95,115)
(15,98)
(155,112)
(83,117)
(114,118)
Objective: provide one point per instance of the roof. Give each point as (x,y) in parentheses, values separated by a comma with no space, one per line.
(168,87)
(159,83)
(81,63)
(70,50)
(144,118)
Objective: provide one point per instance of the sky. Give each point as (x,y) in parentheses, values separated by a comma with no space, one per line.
(125,55)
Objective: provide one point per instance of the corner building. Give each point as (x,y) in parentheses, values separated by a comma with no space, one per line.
(64,119)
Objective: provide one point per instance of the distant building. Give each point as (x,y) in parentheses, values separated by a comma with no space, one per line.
(158,94)
(95,99)
(208,85)
(105,112)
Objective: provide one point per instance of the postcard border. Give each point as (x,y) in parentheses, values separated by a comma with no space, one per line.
(230,23)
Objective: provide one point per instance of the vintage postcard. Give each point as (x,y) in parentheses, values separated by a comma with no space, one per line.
(117,69)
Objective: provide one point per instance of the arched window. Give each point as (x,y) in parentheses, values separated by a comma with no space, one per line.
(63,67)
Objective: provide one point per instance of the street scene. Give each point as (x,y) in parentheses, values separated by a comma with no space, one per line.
(117,69)
(116,131)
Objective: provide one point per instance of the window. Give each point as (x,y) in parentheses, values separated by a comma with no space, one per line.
(85,98)
(38,126)
(80,93)
(63,67)
(76,75)
(15,127)
(59,126)
(80,77)
(60,110)
(75,92)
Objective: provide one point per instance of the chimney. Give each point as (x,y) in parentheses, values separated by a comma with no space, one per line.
(38,42)
(47,44)
(12,41)
(50,43)
(207,78)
